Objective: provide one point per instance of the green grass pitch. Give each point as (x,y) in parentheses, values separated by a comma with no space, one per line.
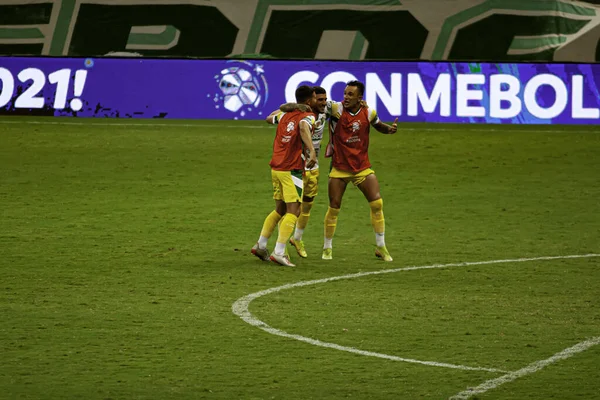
(125,243)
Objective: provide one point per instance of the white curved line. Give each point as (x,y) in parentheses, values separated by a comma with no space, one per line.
(241,308)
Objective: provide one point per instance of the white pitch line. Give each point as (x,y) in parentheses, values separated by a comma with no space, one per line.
(241,307)
(530,369)
(201,125)
(133,124)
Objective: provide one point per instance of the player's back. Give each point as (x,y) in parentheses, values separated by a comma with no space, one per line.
(287,146)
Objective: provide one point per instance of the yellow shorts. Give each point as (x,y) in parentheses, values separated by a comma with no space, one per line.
(287,185)
(311,183)
(356,178)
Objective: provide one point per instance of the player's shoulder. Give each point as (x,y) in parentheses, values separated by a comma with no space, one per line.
(311,116)
(308,117)
(337,104)
(334,108)
(372,113)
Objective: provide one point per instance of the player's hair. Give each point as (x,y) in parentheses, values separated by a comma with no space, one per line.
(319,90)
(359,85)
(304,93)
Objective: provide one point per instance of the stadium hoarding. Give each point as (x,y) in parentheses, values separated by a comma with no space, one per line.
(441,92)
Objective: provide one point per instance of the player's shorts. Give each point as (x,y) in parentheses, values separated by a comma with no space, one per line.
(356,178)
(287,185)
(311,183)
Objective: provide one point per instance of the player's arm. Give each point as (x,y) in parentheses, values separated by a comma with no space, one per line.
(274,117)
(289,107)
(386,128)
(306,135)
(329,112)
(380,126)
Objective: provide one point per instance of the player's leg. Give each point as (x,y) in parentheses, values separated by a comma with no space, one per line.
(260,248)
(296,239)
(370,188)
(292,191)
(271,222)
(311,187)
(336,189)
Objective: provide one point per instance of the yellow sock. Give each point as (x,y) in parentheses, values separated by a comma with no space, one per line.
(270,224)
(377,216)
(378,221)
(331,222)
(286,227)
(304,215)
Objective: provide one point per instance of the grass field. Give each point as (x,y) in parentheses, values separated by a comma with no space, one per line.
(125,244)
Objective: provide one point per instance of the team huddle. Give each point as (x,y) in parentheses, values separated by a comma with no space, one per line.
(295,168)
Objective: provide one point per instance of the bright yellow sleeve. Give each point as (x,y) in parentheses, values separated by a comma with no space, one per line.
(373,118)
(334,109)
(278,117)
(310,119)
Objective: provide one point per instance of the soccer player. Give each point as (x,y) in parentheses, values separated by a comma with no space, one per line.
(350,123)
(311,175)
(294,129)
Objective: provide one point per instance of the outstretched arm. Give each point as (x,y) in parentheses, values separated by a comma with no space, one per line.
(385,128)
(289,107)
(271,118)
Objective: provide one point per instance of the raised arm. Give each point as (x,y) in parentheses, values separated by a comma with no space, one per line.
(306,135)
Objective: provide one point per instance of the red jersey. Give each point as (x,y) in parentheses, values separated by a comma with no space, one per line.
(351,137)
(288,146)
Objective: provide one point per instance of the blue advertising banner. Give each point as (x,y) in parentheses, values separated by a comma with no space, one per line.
(251,89)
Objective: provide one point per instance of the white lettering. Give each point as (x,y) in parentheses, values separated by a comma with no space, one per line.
(7,86)
(418,94)
(295,81)
(61,78)
(560,102)
(578,110)
(510,95)
(29,98)
(464,94)
(392,100)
